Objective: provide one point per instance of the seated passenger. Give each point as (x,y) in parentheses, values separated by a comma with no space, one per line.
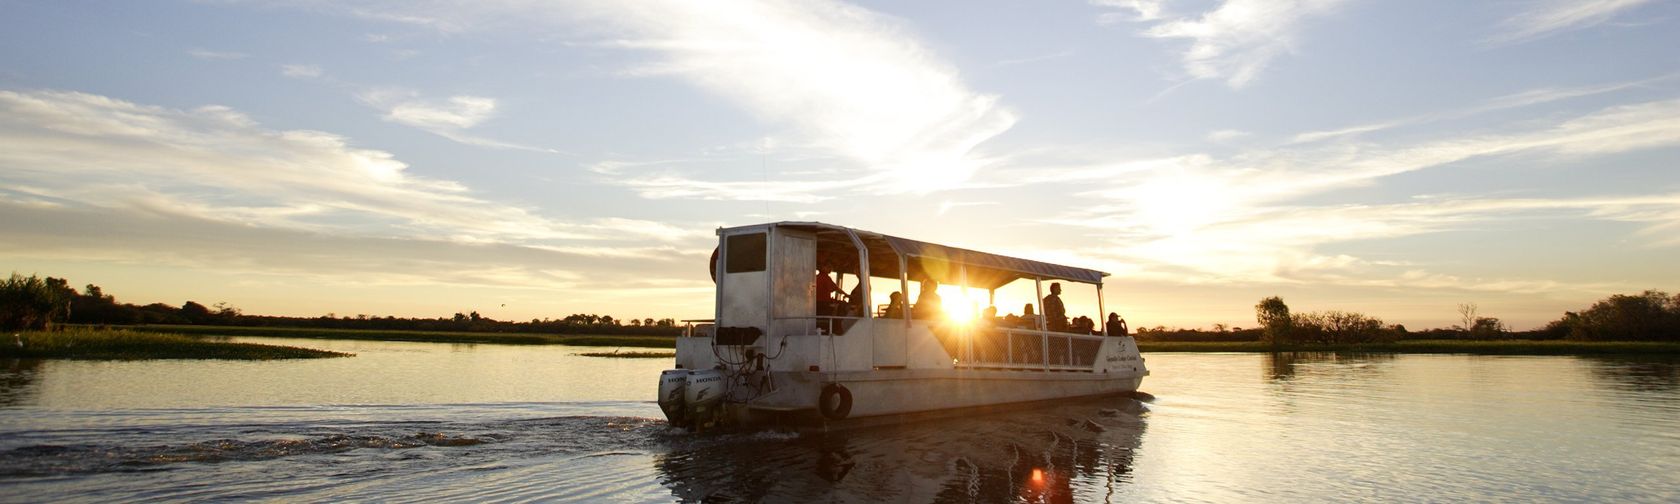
(1084,325)
(1027,320)
(1116,325)
(895,306)
(928,304)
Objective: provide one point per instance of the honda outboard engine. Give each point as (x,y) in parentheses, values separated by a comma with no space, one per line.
(703,397)
(672,386)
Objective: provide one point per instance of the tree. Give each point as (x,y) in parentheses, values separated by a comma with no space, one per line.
(194,312)
(1488,328)
(1273,316)
(1466,316)
(1652,315)
(30,303)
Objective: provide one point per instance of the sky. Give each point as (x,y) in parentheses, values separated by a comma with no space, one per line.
(533,159)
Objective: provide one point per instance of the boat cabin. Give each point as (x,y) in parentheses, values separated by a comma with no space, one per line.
(772,301)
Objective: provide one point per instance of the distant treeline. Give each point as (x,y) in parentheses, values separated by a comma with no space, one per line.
(35,303)
(1649,316)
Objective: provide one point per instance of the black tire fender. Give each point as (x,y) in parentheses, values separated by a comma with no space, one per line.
(835,408)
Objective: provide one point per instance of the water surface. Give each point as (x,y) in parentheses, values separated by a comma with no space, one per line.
(424,421)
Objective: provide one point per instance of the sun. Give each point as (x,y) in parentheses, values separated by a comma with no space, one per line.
(961,307)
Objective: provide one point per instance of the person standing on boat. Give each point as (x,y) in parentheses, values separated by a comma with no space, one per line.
(1055,314)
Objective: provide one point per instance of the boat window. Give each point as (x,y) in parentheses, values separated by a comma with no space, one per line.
(746,253)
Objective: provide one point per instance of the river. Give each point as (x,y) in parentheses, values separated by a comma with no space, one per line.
(427,422)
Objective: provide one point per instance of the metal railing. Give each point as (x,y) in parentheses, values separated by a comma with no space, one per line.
(1027,349)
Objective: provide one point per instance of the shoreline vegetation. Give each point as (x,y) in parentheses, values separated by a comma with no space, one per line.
(121,344)
(1474,347)
(417,336)
(631,355)
(1417,346)
(1645,323)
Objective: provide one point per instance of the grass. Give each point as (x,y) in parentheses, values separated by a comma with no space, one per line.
(419,336)
(631,355)
(98,344)
(1483,347)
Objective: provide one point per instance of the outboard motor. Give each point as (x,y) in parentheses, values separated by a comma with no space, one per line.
(703,397)
(672,386)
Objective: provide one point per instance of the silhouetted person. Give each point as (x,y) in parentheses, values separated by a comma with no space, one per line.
(1055,314)
(825,289)
(928,304)
(856,301)
(1116,325)
(895,306)
(1084,325)
(1027,319)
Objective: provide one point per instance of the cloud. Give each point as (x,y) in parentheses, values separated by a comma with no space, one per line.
(1550,17)
(1226,135)
(853,82)
(664,186)
(1236,40)
(301,71)
(1130,10)
(449,118)
(1511,101)
(1247,218)
(948,205)
(372,274)
(216,164)
(209,55)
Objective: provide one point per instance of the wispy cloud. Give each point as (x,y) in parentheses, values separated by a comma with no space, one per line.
(948,205)
(1233,42)
(1511,101)
(1226,135)
(215,163)
(209,55)
(849,79)
(301,71)
(1242,218)
(1550,17)
(1130,10)
(837,76)
(449,118)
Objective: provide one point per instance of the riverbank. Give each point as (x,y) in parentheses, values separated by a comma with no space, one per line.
(631,355)
(1481,347)
(416,336)
(120,344)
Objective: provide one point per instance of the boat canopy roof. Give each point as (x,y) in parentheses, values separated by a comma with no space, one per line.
(927,260)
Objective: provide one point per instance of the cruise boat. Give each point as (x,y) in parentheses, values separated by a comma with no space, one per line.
(779,352)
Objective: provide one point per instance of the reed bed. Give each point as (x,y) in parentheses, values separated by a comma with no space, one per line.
(122,344)
(1480,347)
(631,355)
(418,336)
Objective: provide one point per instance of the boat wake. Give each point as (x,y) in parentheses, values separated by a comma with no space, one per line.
(559,452)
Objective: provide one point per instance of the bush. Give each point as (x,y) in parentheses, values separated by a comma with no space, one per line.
(1651,316)
(1339,328)
(30,303)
